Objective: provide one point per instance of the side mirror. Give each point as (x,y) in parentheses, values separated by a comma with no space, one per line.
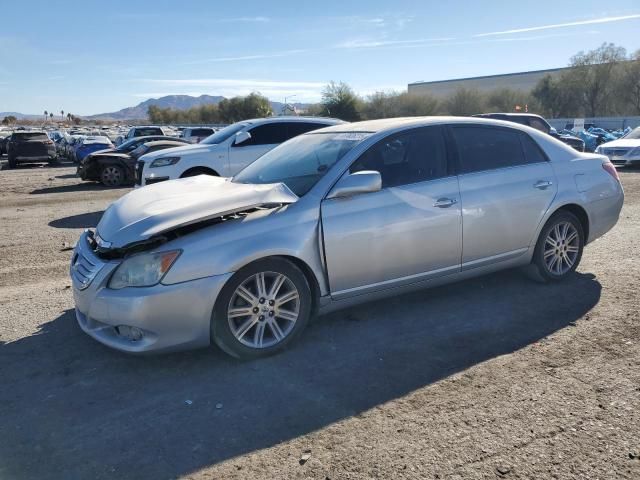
(355,183)
(241,137)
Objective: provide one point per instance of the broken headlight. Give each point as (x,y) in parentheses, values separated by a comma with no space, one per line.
(143,270)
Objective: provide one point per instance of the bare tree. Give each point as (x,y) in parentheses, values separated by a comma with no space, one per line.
(592,75)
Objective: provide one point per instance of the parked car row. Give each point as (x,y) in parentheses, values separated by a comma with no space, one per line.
(327,218)
(116,166)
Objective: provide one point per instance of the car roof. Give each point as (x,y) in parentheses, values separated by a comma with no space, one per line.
(374,126)
(509,114)
(293,118)
(164,142)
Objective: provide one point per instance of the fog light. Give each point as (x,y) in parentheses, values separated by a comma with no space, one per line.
(133,334)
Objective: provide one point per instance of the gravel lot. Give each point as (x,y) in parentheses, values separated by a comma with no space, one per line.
(496,377)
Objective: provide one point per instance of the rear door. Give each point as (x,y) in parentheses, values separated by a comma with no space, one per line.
(408,231)
(506,187)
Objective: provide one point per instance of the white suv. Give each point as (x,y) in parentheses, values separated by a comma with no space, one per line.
(227,151)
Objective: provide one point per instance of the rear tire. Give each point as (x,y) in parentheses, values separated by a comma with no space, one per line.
(559,248)
(112,175)
(262,309)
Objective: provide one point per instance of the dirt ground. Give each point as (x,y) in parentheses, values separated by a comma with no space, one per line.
(496,377)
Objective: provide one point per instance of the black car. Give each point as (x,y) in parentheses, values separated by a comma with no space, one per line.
(25,146)
(539,123)
(114,168)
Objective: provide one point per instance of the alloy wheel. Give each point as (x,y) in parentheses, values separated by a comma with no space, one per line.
(561,248)
(263,310)
(111,176)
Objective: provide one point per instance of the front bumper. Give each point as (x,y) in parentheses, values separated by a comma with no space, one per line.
(625,161)
(170,317)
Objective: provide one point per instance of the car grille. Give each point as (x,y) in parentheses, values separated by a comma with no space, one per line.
(84,270)
(139,169)
(615,152)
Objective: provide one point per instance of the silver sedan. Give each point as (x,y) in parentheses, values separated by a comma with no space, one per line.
(334,218)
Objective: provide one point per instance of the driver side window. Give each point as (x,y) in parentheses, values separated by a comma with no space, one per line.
(417,155)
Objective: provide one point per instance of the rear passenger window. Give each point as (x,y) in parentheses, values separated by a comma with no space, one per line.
(488,148)
(532,151)
(269,134)
(298,128)
(404,158)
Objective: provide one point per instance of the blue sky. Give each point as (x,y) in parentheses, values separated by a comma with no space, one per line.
(91,57)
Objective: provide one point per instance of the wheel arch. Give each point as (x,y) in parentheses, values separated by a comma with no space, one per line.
(581,215)
(204,170)
(305,268)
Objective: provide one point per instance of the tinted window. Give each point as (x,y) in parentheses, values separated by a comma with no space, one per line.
(298,128)
(268,134)
(201,132)
(488,148)
(414,156)
(532,151)
(143,132)
(539,125)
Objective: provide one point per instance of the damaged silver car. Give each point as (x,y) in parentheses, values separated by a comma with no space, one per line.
(333,218)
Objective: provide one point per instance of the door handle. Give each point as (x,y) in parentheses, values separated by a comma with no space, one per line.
(445,202)
(542,184)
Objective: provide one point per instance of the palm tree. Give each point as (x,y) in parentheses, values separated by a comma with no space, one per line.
(62,114)
(45,115)
(51,116)
(69,116)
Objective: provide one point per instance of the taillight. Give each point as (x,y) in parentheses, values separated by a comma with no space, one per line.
(611,170)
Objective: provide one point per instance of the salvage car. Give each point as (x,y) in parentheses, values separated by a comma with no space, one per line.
(30,146)
(141,131)
(330,219)
(227,151)
(625,151)
(116,168)
(539,123)
(91,144)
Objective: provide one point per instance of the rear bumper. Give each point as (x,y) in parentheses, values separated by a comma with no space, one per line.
(35,158)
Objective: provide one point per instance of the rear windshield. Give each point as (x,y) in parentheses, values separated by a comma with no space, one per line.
(143,132)
(23,137)
(201,132)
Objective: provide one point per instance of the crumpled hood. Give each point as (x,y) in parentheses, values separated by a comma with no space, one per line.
(157,208)
(622,143)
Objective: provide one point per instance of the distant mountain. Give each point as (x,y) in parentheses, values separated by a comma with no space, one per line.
(23,116)
(139,112)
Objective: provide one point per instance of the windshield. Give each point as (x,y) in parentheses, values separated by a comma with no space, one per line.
(633,134)
(301,162)
(128,145)
(221,135)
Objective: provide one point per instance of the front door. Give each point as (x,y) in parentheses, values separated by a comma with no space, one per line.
(408,231)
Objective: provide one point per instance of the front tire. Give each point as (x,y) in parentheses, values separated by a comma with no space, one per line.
(263,308)
(559,248)
(112,175)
